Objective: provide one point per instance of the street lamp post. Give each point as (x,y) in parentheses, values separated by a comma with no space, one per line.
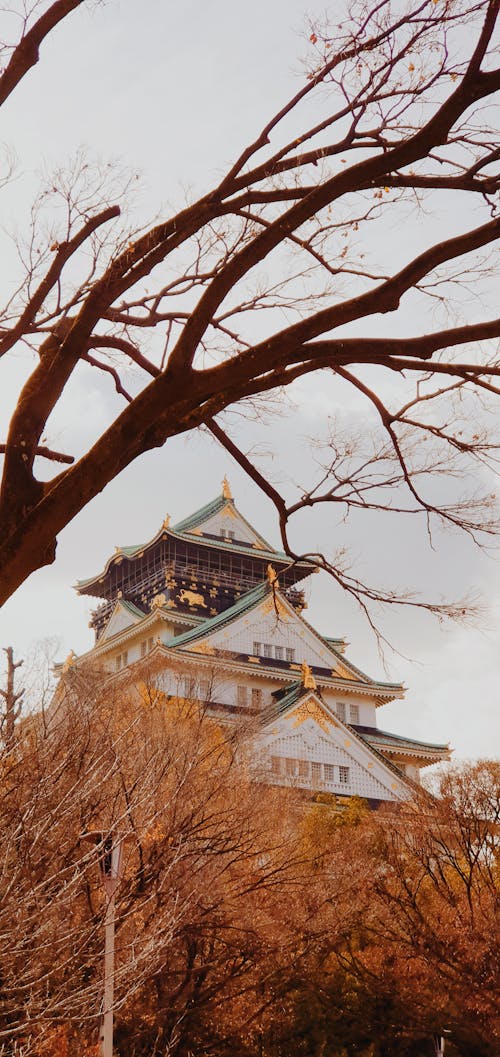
(109,850)
(110,865)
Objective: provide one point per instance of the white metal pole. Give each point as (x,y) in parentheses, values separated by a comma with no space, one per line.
(109,978)
(111,873)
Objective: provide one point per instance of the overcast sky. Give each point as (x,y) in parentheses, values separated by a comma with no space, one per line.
(173,92)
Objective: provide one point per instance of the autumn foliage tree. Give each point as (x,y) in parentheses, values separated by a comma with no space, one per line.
(394,116)
(209,859)
(250,920)
(411,947)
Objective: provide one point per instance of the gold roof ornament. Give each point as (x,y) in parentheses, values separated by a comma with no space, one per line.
(308,680)
(272,575)
(226,489)
(166,521)
(70,660)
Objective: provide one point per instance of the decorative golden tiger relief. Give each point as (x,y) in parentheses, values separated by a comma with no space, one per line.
(192,598)
(157,601)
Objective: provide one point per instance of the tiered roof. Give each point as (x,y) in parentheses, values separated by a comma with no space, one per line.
(190,530)
(202,530)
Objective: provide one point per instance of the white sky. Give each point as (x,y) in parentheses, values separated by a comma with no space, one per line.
(174,91)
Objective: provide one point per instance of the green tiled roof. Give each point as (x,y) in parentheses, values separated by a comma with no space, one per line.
(133,609)
(201,515)
(208,511)
(239,548)
(383,737)
(247,602)
(333,642)
(284,699)
(243,605)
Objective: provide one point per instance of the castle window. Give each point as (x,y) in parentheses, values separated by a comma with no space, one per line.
(279,653)
(340,710)
(316,773)
(304,768)
(353,713)
(329,772)
(241,696)
(189,686)
(267,649)
(144,648)
(227,534)
(256,697)
(290,654)
(204,690)
(290,768)
(344,775)
(257,649)
(121,660)
(276,764)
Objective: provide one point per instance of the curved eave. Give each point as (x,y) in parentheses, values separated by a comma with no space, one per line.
(121,554)
(417,756)
(83,587)
(255,667)
(409,749)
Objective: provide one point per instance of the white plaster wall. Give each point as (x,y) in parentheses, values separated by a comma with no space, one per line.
(268,628)
(224,520)
(367,778)
(367,709)
(119,620)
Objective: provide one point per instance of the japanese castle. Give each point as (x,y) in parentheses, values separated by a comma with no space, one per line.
(220,615)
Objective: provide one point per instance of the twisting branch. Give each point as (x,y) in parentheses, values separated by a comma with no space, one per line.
(25,54)
(301,231)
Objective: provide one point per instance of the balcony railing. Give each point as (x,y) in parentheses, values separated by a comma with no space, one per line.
(156,582)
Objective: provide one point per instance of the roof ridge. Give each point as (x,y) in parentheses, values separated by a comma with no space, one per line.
(213,507)
(202,513)
(131,606)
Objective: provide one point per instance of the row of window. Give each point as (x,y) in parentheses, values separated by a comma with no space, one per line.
(340,709)
(266,649)
(227,534)
(201,689)
(195,689)
(318,773)
(121,660)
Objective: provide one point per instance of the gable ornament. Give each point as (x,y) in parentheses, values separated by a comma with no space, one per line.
(272,575)
(308,680)
(226,489)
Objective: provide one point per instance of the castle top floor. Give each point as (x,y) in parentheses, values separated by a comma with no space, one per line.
(200,566)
